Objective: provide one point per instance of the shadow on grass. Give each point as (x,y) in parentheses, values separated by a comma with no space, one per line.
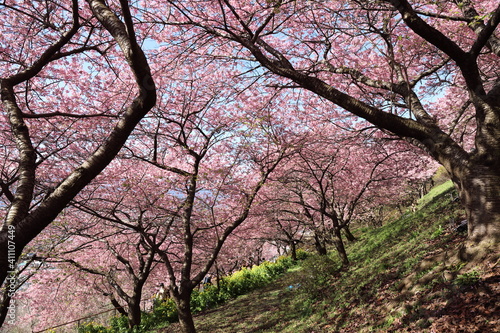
(452,308)
(256,312)
(263,310)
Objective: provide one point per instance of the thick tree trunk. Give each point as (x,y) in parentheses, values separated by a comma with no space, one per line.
(480,193)
(184,312)
(134,314)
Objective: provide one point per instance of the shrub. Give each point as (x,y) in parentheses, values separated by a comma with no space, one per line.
(274,269)
(245,280)
(302,254)
(240,282)
(208,298)
(120,324)
(165,312)
(317,275)
(93,328)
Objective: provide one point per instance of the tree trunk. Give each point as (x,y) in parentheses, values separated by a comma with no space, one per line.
(350,237)
(480,194)
(184,311)
(293,249)
(339,245)
(320,246)
(6,304)
(134,314)
(217,276)
(118,307)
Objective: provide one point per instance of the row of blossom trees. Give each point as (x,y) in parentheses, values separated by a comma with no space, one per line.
(192,191)
(196,168)
(229,119)
(424,71)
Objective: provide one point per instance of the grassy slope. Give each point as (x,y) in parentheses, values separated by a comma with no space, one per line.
(404,277)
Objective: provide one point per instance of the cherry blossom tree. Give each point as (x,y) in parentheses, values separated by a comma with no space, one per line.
(99,244)
(110,244)
(285,226)
(70,98)
(335,176)
(58,163)
(239,83)
(424,71)
(221,164)
(185,182)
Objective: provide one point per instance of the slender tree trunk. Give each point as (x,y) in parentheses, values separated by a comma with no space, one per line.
(118,307)
(339,245)
(350,237)
(320,246)
(293,248)
(217,275)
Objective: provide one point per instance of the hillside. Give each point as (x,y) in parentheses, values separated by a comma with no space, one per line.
(404,277)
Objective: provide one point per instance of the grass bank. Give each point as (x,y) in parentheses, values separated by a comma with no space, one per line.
(403,277)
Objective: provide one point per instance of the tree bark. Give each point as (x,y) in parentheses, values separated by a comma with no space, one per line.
(479,190)
(29,224)
(350,237)
(320,246)
(134,313)
(183,301)
(118,307)
(293,249)
(339,245)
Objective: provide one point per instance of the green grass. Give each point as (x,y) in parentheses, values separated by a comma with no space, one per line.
(436,192)
(371,295)
(239,283)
